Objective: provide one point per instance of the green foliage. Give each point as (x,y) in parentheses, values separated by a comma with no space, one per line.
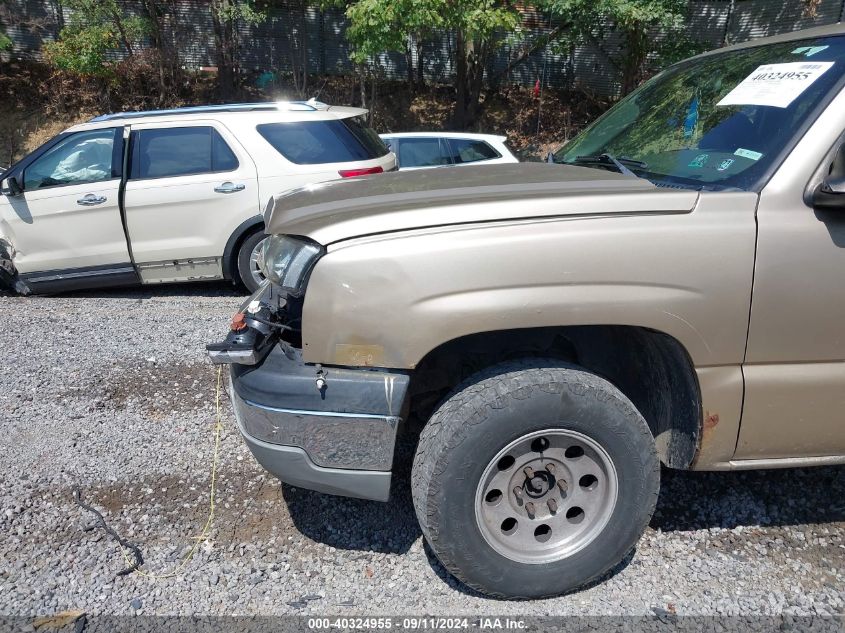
(587,16)
(5,41)
(479,27)
(677,47)
(94,28)
(481,19)
(82,50)
(247,11)
(377,26)
(586,21)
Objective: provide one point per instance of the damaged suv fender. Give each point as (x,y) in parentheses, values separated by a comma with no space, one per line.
(8,273)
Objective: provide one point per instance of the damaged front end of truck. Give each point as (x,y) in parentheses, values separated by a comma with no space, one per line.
(331,429)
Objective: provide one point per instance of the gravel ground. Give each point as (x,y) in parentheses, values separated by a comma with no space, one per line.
(112,392)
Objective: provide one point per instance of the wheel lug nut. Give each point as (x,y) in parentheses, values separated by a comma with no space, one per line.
(517,492)
(529,472)
(562,485)
(550,467)
(529,507)
(552,505)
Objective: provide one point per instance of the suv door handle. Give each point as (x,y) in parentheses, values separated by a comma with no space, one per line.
(89,200)
(229,187)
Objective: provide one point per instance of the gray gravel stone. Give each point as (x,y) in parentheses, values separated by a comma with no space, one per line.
(112,391)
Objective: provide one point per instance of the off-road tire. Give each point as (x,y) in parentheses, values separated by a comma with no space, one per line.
(481,417)
(244,274)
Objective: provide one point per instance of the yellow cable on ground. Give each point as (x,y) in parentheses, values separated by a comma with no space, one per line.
(204,533)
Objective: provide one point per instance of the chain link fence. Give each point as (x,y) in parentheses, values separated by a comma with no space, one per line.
(300,38)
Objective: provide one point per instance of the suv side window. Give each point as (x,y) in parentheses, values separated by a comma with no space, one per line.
(80,158)
(421,152)
(179,151)
(470,151)
(325,141)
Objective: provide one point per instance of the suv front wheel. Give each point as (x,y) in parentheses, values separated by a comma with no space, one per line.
(533,478)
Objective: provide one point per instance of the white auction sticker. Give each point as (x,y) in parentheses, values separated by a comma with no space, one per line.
(776,85)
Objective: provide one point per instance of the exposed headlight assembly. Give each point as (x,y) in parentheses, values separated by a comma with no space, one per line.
(287,261)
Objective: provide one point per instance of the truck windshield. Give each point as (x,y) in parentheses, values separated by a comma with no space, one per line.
(721,121)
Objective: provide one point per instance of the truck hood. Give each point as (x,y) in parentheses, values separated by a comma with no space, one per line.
(344,209)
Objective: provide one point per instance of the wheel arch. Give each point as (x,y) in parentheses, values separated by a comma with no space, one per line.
(9,279)
(230,252)
(652,368)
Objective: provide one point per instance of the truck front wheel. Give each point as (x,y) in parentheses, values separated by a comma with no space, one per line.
(534,478)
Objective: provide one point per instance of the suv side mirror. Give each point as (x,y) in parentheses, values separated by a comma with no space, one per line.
(830,194)
(11,186)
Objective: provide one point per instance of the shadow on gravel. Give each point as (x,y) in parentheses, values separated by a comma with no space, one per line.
(163,291)
(700,500)
(688,501)
(355,524)
(457,585)
(371,526)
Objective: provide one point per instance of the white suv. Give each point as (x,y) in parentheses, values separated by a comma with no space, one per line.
(169,195)
(425,150)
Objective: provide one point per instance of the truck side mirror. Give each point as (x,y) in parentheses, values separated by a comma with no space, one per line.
(830,194)
(11,186)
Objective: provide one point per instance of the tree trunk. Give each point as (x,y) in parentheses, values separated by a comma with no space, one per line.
(304,48)
(362,78)
(118,24)
(157,37)
(420,66)
(373,98)
(293,46)
(59,14)
(224,41)
(471,57)
(105,96)
(409,63)
(636,50)
(527,51)
(460,81)
(477,63)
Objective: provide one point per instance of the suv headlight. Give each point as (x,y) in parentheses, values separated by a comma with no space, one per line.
(287,261)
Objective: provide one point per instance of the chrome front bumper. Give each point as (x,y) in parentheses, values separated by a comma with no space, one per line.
(331,440)
(337,439)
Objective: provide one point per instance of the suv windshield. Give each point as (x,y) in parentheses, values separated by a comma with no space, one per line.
(719,121)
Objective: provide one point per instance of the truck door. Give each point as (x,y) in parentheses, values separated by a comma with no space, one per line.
(795,361)
(190,185)
(66,225)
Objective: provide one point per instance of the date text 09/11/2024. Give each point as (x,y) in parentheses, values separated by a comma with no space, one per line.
(416,623)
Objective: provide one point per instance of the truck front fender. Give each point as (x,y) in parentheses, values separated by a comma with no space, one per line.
(388,300)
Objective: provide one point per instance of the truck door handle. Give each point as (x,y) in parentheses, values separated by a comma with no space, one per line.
(89,200)
(229,187)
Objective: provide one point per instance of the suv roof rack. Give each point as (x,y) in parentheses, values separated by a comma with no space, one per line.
(267,106)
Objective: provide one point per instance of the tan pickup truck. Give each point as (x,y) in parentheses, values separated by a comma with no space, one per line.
(671,290)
